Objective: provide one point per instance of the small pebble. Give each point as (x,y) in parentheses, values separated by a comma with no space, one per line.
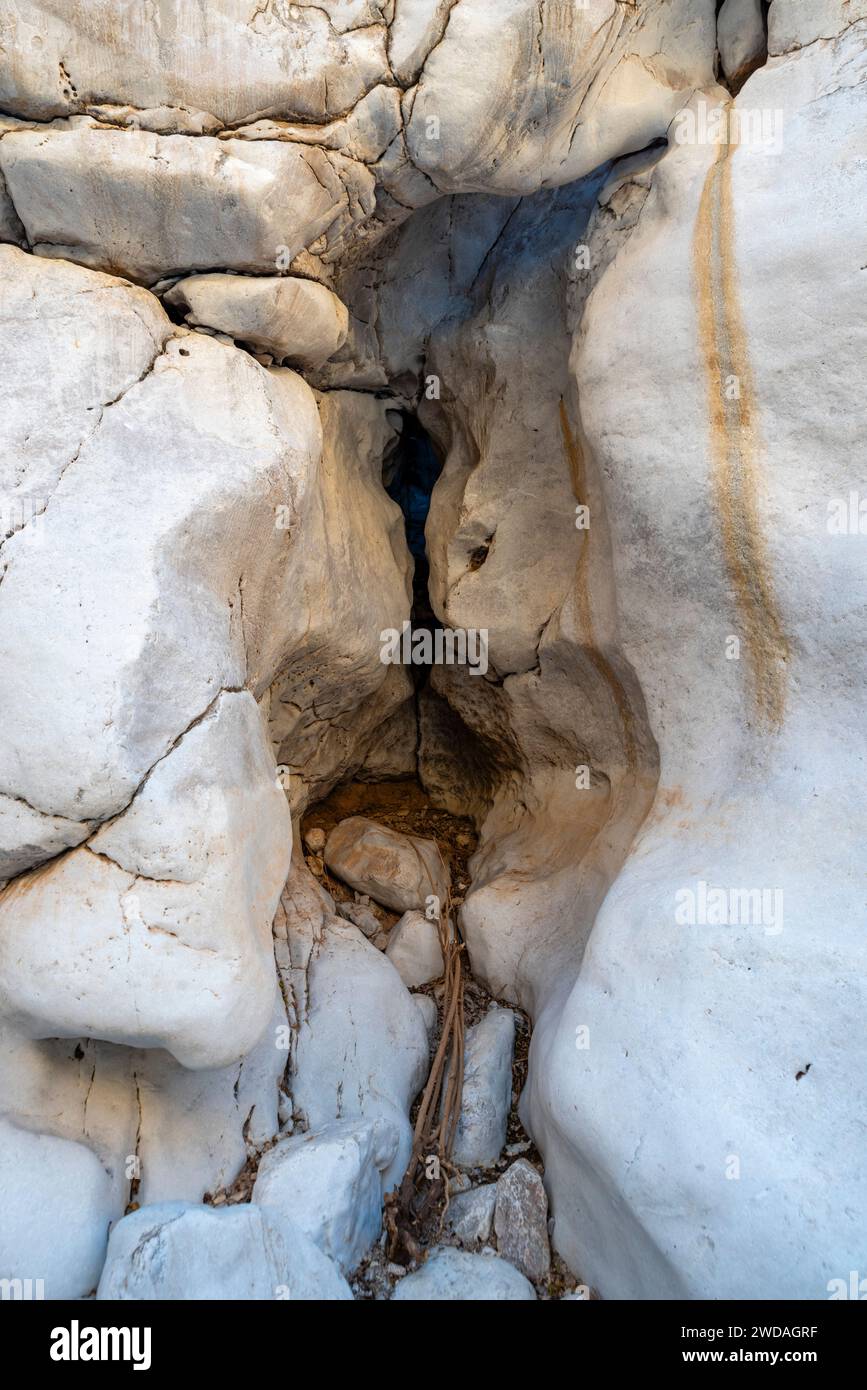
(314,839)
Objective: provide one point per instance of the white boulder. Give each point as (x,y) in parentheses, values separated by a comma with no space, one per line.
(487,1092)
(146,205)
(457,1276)
(176,1251)
(291,318)
(56,1207)
(330,1185)
(414,949)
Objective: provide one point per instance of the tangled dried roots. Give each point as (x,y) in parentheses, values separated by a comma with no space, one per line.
(423,1195)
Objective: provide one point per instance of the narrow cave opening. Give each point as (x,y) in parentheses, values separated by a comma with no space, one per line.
(409,474)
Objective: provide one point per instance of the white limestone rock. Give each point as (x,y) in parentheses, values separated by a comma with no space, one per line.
(147,205)
(511,99)
(414,949)
(329,1183)
(457,1276)
(175,1251)
(793,24)
(181,887)
(222,58)
(160,1131)
(197,453)
(400,871)
(291,318)
(427,1007)
(360,1049)
(28,837)
(57,1206)
(487,1092)
(471,1214)
(773,740)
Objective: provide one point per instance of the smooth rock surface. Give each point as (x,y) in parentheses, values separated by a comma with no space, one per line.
(457,1276)
(487,1093)
(399,871)
(330,1185)
(146,205)
(741,38)
(56,1202)
(360,1047)
(414,949)
(175,1251)
(752,984)
(291,318)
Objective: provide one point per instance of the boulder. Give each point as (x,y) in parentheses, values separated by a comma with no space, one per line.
(430,1013)
(175,1251)
(471,1214)
(330,1185)
(521,1220)
(361,916)
(487,1092)
(222,58)
(290,318)
(360,1047)
(399,871)
(414,949)
(592,86)
(455,1276)
(165,892)
(57,1206)
(741,37)
(148,205)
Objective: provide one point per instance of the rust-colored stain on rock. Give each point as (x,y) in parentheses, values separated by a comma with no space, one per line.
(734,445)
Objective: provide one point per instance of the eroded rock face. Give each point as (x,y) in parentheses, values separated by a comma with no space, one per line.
(195,549)
(742,518)
(175,1252)
(146,205)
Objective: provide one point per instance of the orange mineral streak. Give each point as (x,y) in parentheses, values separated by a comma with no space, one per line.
(734,440)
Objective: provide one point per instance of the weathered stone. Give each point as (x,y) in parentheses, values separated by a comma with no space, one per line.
(487,1091)
(399,871)
(176,1251)
(291,318)
(330,1185)
(449,1275)
(148,205)
(414,949)
(521,1220)
(741,38)
(471,1214)
(56,1210)
(360,1048)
